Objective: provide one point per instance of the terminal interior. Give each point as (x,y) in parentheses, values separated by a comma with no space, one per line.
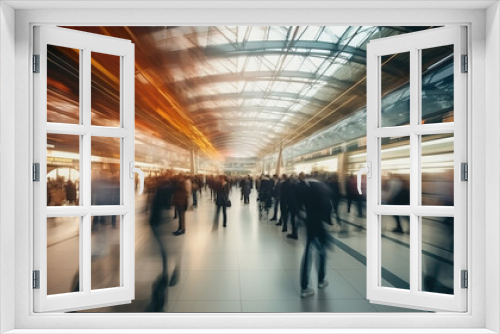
(245,103)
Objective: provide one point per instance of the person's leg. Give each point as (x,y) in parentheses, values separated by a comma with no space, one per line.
(156,233)
(182,219)
(217,211)
(398,227)
(276,203)
(293,222)
(321,261)
(179,216)
(224,216)
(284,218)
(305,267)
(359,202)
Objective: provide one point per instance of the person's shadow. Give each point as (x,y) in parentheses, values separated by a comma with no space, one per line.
(159,294)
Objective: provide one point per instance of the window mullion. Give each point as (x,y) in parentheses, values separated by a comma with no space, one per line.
(85,179)
(414,169)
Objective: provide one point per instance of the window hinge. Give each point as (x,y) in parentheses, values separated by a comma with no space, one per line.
(36,279)
(465,64)
(36,172)
(36,63)
(464,171)
(465,279)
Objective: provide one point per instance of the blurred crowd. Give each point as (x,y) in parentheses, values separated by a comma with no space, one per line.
(309,202)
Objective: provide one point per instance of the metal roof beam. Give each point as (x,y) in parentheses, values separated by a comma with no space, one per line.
(198,113)
(286,76)
(257,95)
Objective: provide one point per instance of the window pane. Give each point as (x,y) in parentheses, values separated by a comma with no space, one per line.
(105,171)
(105,90)
(63,254)
(437,169)
(395,88)
(63,85)
(395,251)
(105,252)
(395,171)
(437,85)
(63,170)
(437,254)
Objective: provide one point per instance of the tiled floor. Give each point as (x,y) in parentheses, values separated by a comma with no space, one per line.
(249,266)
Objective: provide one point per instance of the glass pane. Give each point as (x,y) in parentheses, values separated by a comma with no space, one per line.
(395,251)
(63,254)
(105,171)
(395,171)
(105,90)
(395,87)
(105,252)
(437,169)
(63,170)
(63,85)
(437,85)
(437,254)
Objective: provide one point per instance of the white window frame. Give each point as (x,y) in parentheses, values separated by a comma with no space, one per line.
(413,44)
(86,43)
(484,47)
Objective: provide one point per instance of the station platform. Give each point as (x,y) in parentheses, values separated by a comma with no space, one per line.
(248,266)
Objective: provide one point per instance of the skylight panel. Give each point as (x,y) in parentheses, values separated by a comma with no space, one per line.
(277,33)
(330,71)
(336,31)
(360,38)
(240,33)
(294,63)
(310,33)
(257,34)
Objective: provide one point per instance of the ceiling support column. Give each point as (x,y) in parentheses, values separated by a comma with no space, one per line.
(193,168)
(278,163)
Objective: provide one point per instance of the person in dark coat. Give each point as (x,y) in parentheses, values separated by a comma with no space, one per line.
(289,205)
(71,192)
(283,202)
(160,202)
(266,191)
(276,196)
(245,190)
(315,198)
(395,191)
(221,199)
(180,200)
(333,184)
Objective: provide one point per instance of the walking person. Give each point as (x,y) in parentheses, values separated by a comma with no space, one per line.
(395,192)
(221,199)
(246,188)
(333,184)
(180,200)
(276,196)
(194,189)
(289,205)
(314,196)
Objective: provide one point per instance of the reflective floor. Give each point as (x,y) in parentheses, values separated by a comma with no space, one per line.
(248,266)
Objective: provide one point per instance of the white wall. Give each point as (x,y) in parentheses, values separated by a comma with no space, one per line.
(492,162)
(7,158)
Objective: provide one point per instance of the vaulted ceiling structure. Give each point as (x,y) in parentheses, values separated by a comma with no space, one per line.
(234,91)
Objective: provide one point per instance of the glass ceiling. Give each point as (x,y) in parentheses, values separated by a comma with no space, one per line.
(239,90)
